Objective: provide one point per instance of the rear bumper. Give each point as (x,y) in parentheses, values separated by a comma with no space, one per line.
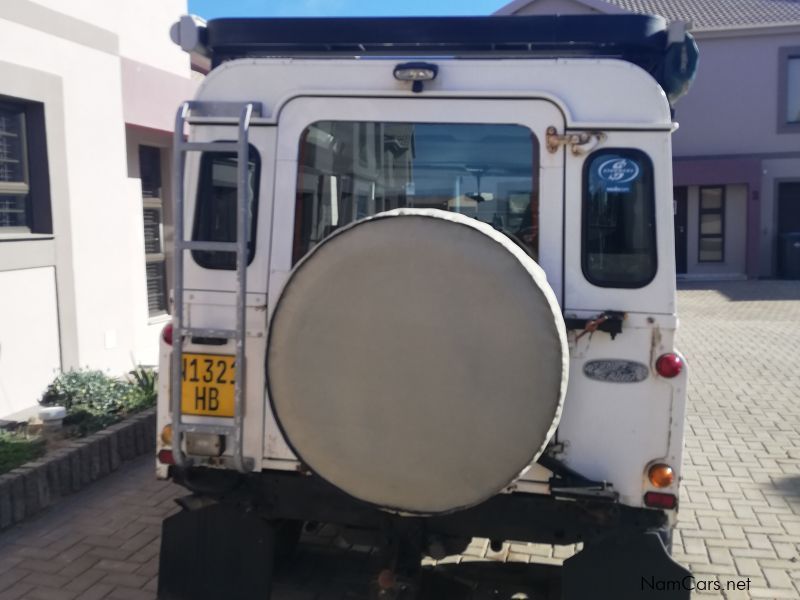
(514,516)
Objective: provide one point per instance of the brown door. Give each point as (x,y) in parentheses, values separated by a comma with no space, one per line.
(679,195)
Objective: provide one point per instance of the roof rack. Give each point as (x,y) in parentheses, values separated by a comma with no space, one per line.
(668,53)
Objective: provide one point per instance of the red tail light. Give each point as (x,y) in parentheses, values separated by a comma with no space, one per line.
(165,457)
(166,333)
(669,365)
(660,500)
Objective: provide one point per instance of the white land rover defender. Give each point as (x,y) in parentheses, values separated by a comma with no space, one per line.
(424,290)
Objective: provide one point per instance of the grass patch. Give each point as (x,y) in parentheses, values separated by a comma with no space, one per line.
(18,448)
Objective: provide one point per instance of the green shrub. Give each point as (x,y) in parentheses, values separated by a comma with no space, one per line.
(95,400)
(16,449)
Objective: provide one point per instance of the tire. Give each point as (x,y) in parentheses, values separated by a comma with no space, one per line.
(417,360)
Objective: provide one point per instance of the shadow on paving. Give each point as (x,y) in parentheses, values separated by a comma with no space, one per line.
(334,573)
(789,486)
(750,290)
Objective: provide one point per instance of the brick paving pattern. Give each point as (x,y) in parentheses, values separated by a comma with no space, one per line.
(740,504)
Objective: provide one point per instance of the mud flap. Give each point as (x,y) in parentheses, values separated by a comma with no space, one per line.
(622,568)
(215,552)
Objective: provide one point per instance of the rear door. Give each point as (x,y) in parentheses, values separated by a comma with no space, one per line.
(343,159)
(618,414)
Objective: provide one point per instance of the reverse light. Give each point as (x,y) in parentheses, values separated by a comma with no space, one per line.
(416,72)
(205,444)
(660,500)
(166,334)
(166,435)
(661,475)
(165,457)
(669,365)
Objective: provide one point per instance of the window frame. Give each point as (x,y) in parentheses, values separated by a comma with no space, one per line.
(646,159)
(198,256)
(155,203)
(19,188)
(710,211)
(784,56)
(36,173)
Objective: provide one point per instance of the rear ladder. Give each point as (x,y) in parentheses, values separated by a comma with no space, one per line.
(240,114)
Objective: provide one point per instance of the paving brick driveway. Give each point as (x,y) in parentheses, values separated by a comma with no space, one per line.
(740,511)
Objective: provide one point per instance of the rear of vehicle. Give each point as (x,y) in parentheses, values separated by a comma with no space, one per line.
(426,299)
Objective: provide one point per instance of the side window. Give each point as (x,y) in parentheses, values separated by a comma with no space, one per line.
(215,212)
(619,234)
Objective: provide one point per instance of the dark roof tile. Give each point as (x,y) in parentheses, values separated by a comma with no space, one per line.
(718,14)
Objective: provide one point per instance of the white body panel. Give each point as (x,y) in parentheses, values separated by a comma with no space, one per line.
(609,431)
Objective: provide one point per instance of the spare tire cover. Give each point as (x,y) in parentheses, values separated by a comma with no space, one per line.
(417,360)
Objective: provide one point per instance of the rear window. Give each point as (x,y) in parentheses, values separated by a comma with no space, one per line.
(619,235)
(215,212)
(351,170)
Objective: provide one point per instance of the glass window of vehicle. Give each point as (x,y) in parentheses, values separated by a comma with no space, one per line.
(215,213)
(350,170)
(619,230)
(711,246)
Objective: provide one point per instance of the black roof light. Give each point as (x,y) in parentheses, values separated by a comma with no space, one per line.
(416,72)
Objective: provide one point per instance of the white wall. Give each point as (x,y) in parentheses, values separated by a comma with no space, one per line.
(142,27)
(29,342)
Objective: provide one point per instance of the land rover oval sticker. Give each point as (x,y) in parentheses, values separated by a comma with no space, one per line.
(618,173)
(615,371)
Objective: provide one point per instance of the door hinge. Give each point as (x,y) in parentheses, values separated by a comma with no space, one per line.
(576,140)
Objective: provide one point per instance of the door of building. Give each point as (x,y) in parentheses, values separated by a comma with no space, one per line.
(788,222)
(679,196)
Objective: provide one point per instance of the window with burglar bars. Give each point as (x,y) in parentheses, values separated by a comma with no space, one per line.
(14,180)
(153,212)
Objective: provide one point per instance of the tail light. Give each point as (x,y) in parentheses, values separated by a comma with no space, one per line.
(166,334)
(165,457)
(669,365)
(660,500)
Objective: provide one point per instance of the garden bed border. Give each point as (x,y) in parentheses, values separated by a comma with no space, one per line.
(36,485)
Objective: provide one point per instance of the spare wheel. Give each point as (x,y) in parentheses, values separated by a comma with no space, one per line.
(417,360)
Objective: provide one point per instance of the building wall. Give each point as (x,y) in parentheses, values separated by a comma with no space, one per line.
(94,259)
(732,107)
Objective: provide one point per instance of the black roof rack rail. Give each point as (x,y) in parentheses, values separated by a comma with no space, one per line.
(669,54)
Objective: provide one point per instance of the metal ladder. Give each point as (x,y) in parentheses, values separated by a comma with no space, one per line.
(222,113)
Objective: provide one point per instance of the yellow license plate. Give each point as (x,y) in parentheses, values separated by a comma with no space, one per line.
(207,385)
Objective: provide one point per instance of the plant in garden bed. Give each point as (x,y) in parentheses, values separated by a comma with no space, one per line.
(94,400)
